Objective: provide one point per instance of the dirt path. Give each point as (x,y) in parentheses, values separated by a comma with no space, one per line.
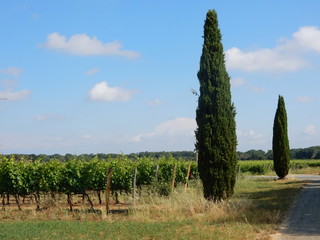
(303,221)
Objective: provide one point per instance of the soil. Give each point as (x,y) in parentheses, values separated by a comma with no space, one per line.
(303,220)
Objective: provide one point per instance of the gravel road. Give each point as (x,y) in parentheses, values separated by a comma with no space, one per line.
(303,220)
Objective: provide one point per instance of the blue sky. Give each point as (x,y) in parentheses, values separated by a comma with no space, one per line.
(112,76)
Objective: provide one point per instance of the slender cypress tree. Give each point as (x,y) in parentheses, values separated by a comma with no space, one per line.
(280,141)
(216,133)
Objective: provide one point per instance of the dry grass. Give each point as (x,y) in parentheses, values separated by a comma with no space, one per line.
(182,204)
(253,213)
(307,170)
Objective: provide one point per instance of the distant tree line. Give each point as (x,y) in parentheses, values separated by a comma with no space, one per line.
(180,155)
(296,153)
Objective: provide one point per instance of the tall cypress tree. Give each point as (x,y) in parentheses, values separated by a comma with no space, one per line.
(280,141)
(216,133)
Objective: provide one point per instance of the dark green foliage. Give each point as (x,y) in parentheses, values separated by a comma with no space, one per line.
(215,116)
(252,155)
(280,141)
(78,177)
(305,153)
(295,153)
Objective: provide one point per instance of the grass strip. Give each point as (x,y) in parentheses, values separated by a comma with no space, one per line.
(257,207)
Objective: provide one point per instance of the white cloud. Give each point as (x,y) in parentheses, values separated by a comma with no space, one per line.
(303,99)
(177,126)
(48,116)
(310,130)
(9,83)
(14,71)
(270,60)
(12,96)
(241,82)
(250,139)
(84,45)
(257,89)
(102,92)
(86,136)
(171,128)
(308,38)
(249,134)
(41,117)
(284,57)
(35,16)
(237,82)
(93,71)
(153,103)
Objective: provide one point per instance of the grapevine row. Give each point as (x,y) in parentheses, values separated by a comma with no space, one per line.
(21,178)
(76,176)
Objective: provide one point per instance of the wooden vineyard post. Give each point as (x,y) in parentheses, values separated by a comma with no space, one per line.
(16,196)
(156,175)
(187,177)
(108,189)
(69,200)
(134,185)
(239,172)
(3,202)
(174,177)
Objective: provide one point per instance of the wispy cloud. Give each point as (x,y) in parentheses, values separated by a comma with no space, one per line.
(310,129)
(48,116)
(13,96)
(171,128)
(86,136)
(84,45)
(237,82)
(35,16)
(257,89)
(21,7)
(303,99)
(241,82)
(252,139)
(13,71)
(284,57)
(249,134)
(93,71)
(9,83)
(102,92)
(153,103)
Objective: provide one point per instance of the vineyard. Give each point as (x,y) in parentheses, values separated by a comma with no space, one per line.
(264,166)
(24,178)
(35,179)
